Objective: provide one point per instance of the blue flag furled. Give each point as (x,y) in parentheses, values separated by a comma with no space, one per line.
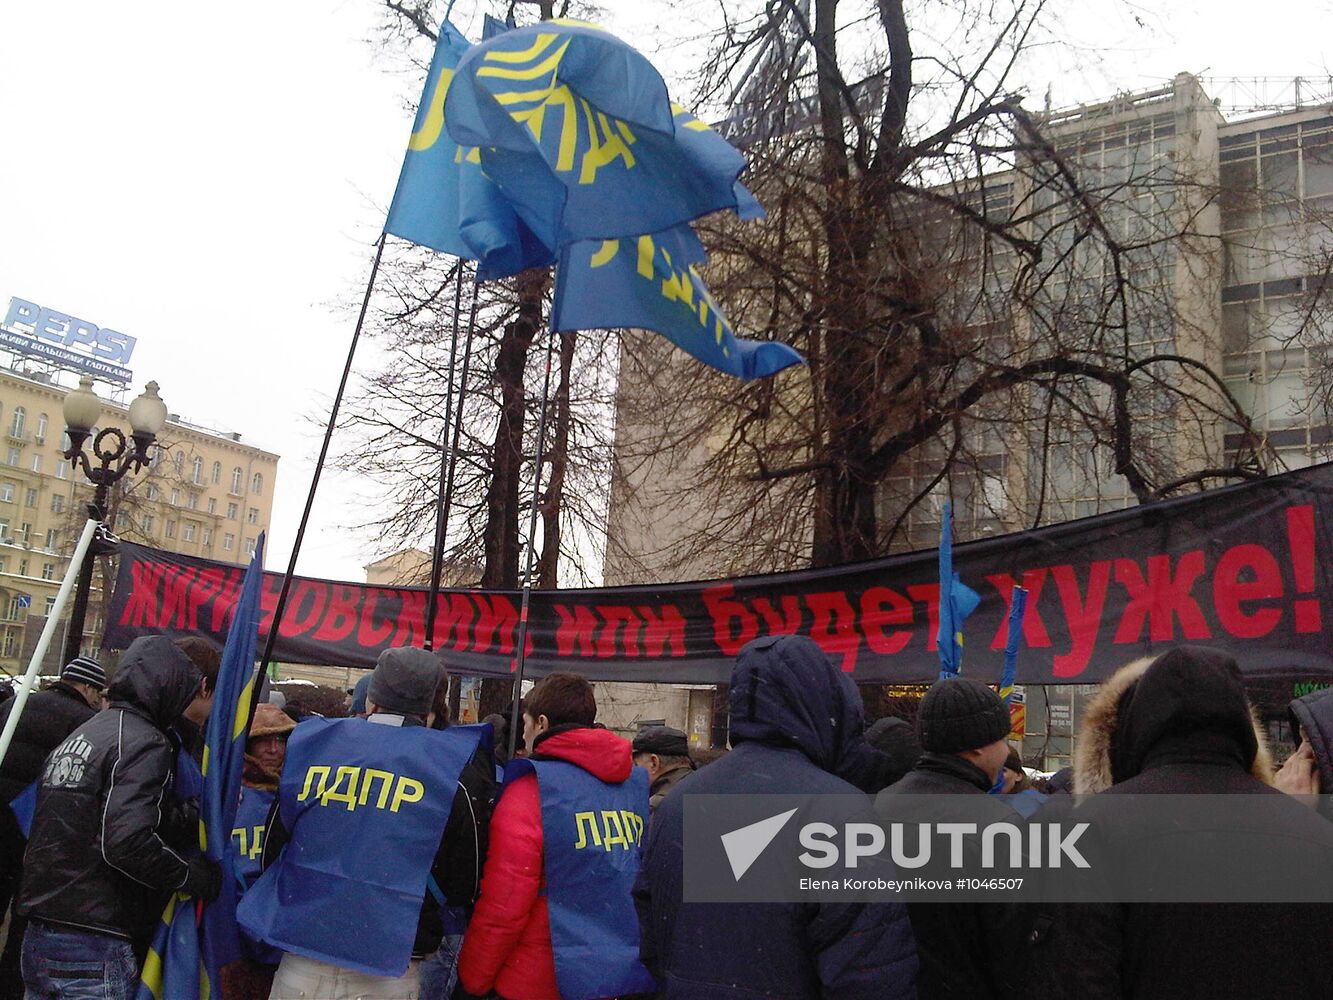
(190,947)
(649,283)
(576,130)
(1018,603)
(957,601)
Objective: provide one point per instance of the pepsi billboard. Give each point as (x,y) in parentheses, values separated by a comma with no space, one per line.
(67,341)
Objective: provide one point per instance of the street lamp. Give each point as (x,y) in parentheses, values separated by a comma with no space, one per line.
(112,459)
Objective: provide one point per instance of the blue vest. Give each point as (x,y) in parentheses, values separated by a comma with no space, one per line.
(247,840)
(366,806)
(593,836)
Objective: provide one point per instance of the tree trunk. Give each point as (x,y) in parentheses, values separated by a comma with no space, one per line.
(557,454)
(500,535)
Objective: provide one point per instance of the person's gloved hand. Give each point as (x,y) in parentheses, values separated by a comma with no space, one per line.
(203,880)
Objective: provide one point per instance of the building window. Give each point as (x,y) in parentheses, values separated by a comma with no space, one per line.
(151,492)
(197,471)
(178,460)
(50,605)
(122,520)
(171,529)
(12,457)
(249,546)
(217,473)
(23,567)
(57,503)
(231,511)
(188,534)
(37,462)
(228,542)
(257,484)
(50,538)
(25,532)
(212,505)
(236,475)
(175,498)
(60,470)
(147,523)
(208,536)
(252,516)
(41,428)
(4,529)
(7,492)
(48,571)
(16,604)
(16,424)
(192,501)
(30,497)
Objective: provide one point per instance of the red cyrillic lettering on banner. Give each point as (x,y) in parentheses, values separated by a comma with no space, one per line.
(341,617)
(208,583)
(174,609)
(305,608)
(576,633)
(723,611)
(1034,629)
(141,607)
(834,626)
(411,618)
(1162,599)
(1083,616)
(496,619)
(1246,573)
(882,606)
(268,602)
(453,614)
(786,622)
(1300,536)
(662,627)
(615,615)
(929,595)
(372,633)
(224,605)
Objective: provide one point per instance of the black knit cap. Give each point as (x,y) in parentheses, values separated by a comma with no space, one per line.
(960,714)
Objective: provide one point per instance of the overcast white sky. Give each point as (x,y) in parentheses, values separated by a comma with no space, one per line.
(211,178)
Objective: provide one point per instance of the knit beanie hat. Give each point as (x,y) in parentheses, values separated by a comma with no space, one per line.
(959,713)
(404,681)
(84,670)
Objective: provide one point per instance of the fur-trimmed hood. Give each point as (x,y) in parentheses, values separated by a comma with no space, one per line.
(1190,687)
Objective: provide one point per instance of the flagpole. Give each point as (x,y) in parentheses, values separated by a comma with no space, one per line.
(319,468)
(437,554)
(520,658)
(48,631)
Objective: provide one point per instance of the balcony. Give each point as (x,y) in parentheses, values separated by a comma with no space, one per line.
(22,438)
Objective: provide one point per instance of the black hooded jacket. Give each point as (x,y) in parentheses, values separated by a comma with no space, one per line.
(794,719)
(1185,728)
(48,717)
(96,859)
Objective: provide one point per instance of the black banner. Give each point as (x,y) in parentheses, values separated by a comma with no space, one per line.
(1240,568)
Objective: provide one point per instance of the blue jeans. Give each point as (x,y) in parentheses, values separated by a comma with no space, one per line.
(61,963)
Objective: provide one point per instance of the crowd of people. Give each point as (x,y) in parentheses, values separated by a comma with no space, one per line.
(392,854)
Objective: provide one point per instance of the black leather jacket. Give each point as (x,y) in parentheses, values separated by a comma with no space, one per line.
(96,859)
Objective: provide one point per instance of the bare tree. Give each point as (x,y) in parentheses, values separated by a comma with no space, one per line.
(997,305)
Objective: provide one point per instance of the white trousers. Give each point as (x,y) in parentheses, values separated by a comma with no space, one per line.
(301,978)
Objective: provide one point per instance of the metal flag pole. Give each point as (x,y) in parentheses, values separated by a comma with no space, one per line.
(520,656)
(319,468)
(48,632)
(437,554)
(447,501)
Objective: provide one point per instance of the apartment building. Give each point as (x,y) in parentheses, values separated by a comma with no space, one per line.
(206,493)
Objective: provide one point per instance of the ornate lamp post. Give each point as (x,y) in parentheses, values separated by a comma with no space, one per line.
(113,458)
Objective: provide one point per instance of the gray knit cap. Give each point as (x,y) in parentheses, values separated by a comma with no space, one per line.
(404,681)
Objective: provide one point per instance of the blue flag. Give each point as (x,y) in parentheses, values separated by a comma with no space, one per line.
(957,601)
(576,131)
(191,947)
(649,283)
(425,204)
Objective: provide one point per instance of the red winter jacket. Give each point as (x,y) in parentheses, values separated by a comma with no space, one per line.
(507,947)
